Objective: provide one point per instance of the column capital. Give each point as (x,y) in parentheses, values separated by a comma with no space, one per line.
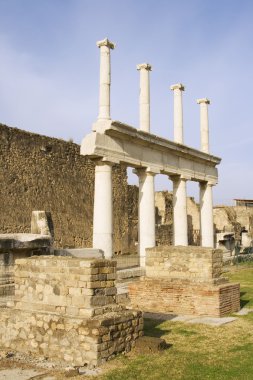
(147,171)
(106,42)
(145,66)
(177,177)
(208,183)
(203,100)
(103,162)
(177,86)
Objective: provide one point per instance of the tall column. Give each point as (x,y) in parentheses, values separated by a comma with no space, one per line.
(178,112)
(204,128)
(102,217)
(146,211)
(180,225)
(105,78)
(206,215)
(144,69)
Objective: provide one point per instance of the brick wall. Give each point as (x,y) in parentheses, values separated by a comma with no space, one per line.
(184,280)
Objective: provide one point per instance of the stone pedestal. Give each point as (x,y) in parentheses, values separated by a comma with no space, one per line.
(185,280)
(103,213)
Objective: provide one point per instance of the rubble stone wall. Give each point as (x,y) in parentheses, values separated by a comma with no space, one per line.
(66,308)
(44,173)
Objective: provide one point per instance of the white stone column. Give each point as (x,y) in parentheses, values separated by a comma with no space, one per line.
(180,225)
(146,211)
(102,217)
(144,69)
(105,78)
(204,128)
(178,112)
(206,215)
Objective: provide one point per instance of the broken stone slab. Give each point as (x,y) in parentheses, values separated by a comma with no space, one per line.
(86,253)
(18,241)
(244,311)
(41,223)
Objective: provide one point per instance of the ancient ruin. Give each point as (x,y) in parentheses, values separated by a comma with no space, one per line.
(114,142)
(68,304)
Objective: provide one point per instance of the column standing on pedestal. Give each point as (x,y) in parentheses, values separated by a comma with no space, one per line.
(204,128)
(105,78)
(206,215)
(180,226)
(144,69)
(102,217)
(178,112)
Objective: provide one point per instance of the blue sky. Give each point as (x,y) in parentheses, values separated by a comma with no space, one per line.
(49,72)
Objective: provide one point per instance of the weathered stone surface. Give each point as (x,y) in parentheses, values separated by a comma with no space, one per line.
(189,263)
(43,173)
(88,253)
(18,241)
(185,280)
(66,308)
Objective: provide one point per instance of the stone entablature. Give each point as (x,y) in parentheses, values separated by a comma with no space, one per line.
(116,142)
(66,308)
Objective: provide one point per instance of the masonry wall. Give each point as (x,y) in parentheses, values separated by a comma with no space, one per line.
(184,280)
(189,263)
(66,308)
(43,173)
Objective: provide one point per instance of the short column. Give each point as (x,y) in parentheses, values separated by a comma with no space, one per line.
(206,215)
(146,211)
(204,127)
(144,69)
(105,78)
(178,112)
(102,217)
(180,226)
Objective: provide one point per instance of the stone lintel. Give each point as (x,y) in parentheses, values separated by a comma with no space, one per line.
(203,100)
(117,141)
(145,66)
(177,86)
(106,42)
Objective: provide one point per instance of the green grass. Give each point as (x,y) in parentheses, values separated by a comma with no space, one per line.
(196,352)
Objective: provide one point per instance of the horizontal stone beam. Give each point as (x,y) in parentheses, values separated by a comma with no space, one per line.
(117,142)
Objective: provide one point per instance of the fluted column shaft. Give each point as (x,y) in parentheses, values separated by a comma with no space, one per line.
(103,211)
(204,127)
(180,225)
(178,112)
(206,215)
(144,69)
(146,211)
(105,78)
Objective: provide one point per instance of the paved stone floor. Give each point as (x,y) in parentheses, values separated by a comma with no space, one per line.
(190,319)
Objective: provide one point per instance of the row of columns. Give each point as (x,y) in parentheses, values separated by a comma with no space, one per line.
(103,220)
